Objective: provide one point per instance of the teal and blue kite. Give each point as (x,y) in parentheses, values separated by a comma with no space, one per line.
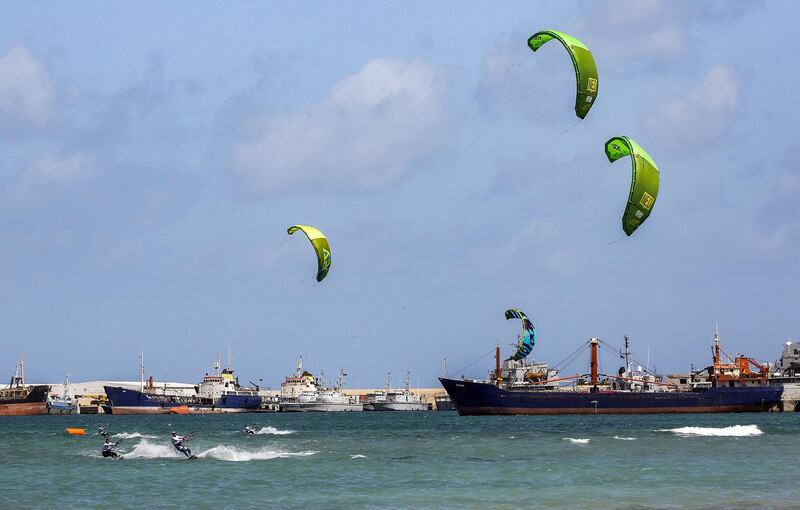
(528,338)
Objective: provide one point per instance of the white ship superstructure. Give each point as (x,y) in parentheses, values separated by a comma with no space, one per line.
(63,404)
(395,399)
(302,392)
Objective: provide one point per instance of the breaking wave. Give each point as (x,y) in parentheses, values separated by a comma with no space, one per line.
(147,450)
(232,454)
(732,431)
(133,435)
(625,438)
(576,441)
(358,456)
(273,431)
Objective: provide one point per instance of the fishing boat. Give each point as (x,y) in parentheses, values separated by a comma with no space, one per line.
(218,392)
(520,387)
(19,399)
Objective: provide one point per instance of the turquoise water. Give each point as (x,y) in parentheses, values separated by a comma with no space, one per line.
(407,460)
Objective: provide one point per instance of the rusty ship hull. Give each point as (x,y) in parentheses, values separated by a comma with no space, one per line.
(24,401)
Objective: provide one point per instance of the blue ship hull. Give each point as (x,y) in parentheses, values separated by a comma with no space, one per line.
(127,401)
(479,398)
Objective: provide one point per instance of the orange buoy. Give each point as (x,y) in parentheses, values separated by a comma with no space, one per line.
(179,410)
(76,432)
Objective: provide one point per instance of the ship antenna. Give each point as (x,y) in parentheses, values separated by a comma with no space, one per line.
(388,381)
(141,370)
(229,358)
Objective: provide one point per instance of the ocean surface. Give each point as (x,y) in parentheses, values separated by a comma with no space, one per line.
(406,460)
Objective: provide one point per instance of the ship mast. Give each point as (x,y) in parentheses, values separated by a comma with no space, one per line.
(627,356)
(388,381)
(217,365)
(717,358)
(497,374)
(141,371)
(593,342)
(18,379)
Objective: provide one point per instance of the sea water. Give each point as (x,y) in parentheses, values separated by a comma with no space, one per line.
(406,460)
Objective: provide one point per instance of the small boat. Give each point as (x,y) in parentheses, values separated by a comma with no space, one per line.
(179,410)
(63,404)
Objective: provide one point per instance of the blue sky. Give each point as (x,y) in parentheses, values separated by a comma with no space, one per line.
(153,157)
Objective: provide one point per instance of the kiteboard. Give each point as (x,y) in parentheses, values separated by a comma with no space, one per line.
(191,457)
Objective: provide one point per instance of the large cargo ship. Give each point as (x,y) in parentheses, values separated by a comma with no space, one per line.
(533,388)
(219,392)
(19,399)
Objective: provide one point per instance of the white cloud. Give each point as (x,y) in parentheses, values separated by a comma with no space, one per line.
(27,96)
(705,113)
(366,135)
(55,170)
(47,174)
(650,29)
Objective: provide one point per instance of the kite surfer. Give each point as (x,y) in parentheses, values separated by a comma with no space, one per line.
(108,448)
(178,443)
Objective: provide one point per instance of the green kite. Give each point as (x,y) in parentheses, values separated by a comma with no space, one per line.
(321,247)
(582,60)
(644,181)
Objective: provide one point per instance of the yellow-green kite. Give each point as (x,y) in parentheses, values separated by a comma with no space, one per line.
(644,181)
(582,60)
(321,247)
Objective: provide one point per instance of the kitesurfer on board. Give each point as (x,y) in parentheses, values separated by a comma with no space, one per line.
(108,449)
(177,442)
